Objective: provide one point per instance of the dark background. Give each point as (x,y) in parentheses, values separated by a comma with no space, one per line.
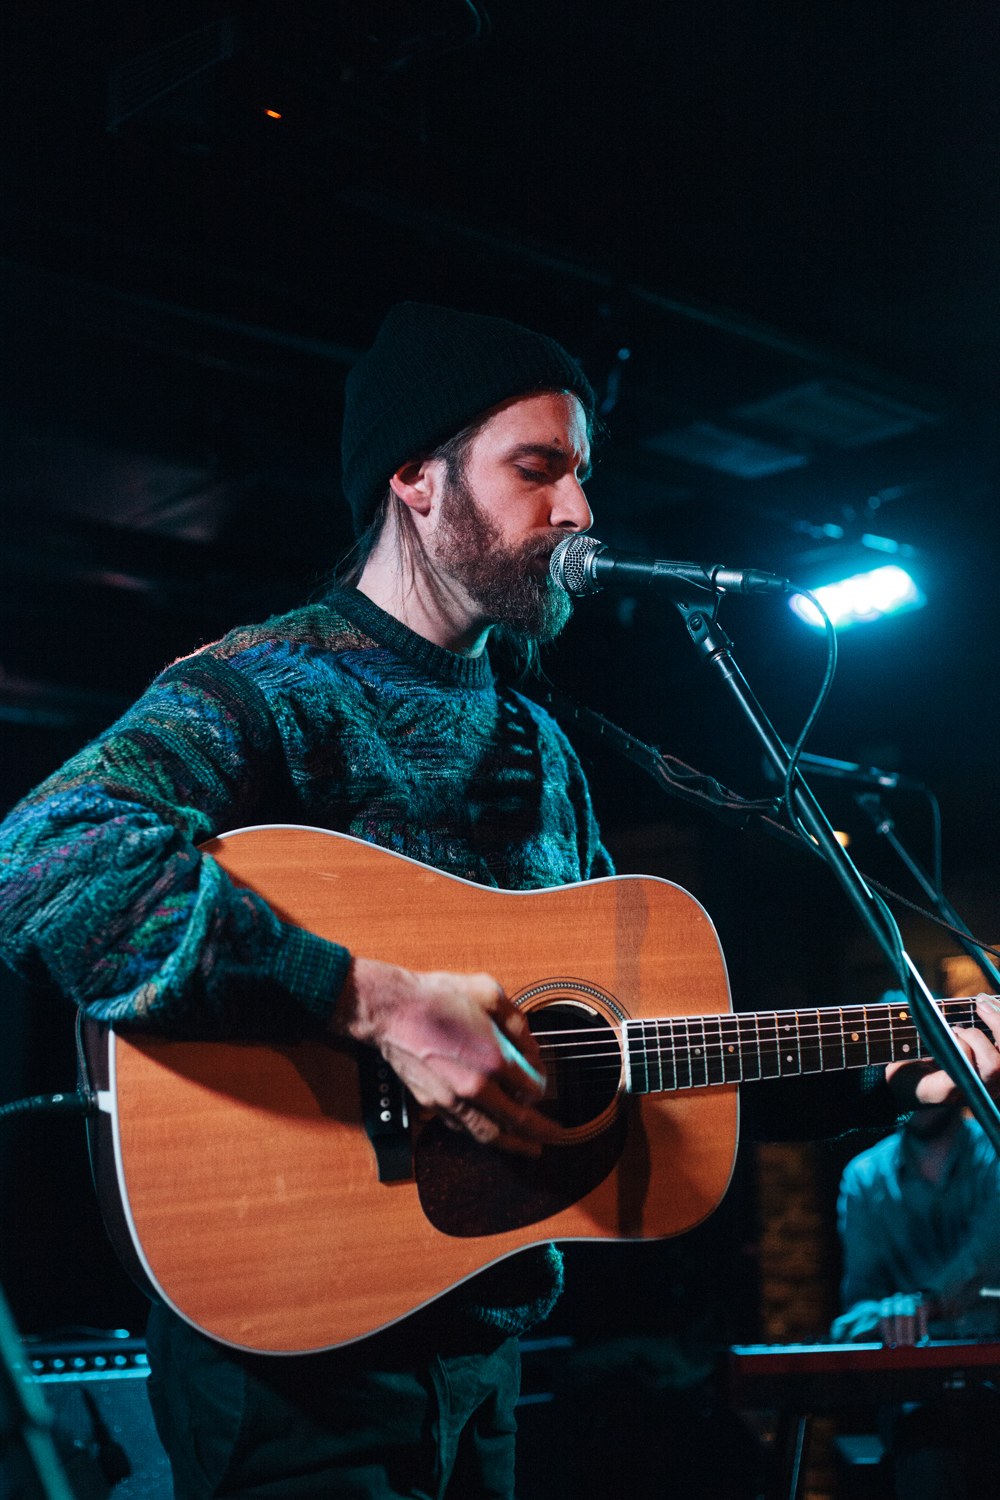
(770,233)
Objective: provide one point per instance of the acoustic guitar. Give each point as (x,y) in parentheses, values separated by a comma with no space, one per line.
(284,1198)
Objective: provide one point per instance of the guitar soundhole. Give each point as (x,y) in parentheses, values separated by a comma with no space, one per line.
(582,1056)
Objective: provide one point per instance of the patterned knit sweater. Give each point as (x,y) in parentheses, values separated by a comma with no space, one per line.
(335,716)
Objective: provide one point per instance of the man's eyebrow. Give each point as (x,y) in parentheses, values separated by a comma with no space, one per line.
(546,450)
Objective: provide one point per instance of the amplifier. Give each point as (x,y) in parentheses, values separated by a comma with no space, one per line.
(96,1391)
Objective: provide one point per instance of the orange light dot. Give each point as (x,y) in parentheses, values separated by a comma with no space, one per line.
(273,114)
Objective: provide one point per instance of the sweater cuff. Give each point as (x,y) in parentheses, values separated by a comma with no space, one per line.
(310,968)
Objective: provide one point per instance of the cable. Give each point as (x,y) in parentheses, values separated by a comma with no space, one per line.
(814,713)
(936,834)
(55,1104)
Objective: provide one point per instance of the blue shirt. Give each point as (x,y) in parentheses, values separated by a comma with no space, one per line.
(901,1233)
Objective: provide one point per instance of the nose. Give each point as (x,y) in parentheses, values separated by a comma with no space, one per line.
(570,508)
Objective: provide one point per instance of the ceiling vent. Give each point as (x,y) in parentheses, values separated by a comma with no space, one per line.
(725,451)
(138,84)
(836,413)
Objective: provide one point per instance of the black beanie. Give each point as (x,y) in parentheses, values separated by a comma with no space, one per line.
(430,372)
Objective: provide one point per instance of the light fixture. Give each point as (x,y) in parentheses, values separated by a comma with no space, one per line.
(861,598)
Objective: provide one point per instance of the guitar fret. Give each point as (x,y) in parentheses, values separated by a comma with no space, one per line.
(666,1052)
(787,1042)
(767,1031)
(696,1052)
(714,1054)
(831,1040)
(879,1029)
(682,1052)
(729,1040)
(809,1042)
(855,1044)
(750,1025)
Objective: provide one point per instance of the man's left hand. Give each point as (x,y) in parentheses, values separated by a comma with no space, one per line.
(923,1083)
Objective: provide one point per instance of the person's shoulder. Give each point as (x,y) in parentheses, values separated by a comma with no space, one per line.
(316,627)
(979,1146)
(871,1164)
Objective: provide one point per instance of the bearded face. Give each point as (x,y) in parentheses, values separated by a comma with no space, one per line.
(511,585)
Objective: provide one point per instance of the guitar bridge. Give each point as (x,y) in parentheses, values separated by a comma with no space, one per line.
(385,1116)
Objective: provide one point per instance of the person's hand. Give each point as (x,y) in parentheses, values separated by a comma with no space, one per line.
(902,1318)
(459,1046)
(899,1319)
(916,1083)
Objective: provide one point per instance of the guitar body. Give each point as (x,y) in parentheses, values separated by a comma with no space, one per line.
(239,1181)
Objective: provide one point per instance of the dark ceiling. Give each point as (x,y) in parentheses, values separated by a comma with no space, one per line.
(770,232)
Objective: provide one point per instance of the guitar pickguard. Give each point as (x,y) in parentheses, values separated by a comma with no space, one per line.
(467,1189)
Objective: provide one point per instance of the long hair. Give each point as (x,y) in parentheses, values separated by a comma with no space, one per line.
(518,653)
(349,568)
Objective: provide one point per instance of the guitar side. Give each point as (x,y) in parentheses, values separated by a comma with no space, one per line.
(249,1186)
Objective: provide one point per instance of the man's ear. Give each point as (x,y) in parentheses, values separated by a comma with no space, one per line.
(416,483)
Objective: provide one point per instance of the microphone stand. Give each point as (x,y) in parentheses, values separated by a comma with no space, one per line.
(698,607)
(871,805)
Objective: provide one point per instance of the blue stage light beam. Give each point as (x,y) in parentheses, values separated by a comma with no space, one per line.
(862,598)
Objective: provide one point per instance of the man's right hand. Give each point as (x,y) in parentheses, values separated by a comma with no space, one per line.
(459,1046)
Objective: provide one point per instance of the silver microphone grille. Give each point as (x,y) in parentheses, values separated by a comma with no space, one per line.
(568,565)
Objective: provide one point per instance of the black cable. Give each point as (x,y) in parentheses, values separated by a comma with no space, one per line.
(936,827)
(814,713)
(53,1104)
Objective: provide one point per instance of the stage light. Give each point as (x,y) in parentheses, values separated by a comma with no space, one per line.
(861,598)
(272,114)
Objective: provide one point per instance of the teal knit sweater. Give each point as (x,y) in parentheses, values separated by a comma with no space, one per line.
(335,716)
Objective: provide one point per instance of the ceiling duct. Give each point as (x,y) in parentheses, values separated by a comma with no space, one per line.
(136,85)
(835,412)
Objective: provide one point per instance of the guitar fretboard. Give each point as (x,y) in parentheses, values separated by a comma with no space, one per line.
(684,1052)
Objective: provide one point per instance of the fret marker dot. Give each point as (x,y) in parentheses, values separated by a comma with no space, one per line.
(788,1057)
(697,1052)
(854,1036)
(732,1049)
(906,1046)
(903,1016)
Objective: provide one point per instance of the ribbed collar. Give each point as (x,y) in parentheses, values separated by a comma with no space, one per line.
(446,666)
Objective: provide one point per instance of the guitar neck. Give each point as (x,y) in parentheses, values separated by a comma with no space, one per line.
(683,1052)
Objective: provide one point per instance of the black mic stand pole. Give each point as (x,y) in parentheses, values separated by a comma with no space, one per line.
(698,607)
(872,806)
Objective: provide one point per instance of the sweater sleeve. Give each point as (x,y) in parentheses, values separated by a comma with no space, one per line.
(103,889)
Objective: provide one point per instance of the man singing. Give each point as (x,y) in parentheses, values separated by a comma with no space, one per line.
(374,713)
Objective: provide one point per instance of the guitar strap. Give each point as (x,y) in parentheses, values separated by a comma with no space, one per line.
(669,773)
(683,781)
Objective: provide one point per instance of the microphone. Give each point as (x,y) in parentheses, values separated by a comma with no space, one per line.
(583,565)
(850,770)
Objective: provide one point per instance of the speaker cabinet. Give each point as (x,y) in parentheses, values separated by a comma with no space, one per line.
(104,1432)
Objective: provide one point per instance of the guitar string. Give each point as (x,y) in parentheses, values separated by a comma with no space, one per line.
(805,1033)
(831,1060)
(699,1060)
(953,1004)
(764,1049)
(667,1040)
(702,1062)
(716,1051)
(665,1045)
(677,1083)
